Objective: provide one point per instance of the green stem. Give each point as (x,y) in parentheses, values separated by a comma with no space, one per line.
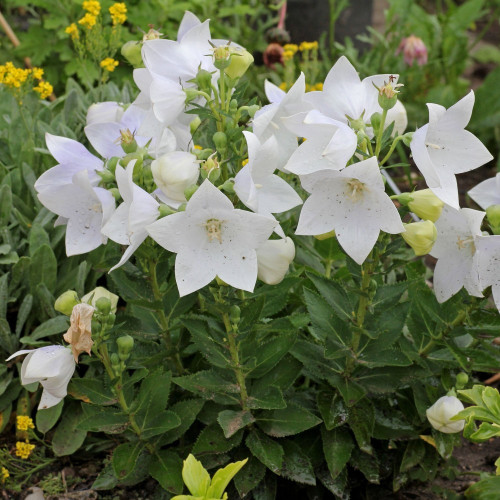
(458,320)
(235,357)
(333,19)
(380,132)
(391,150)
(328,268)
(163,320)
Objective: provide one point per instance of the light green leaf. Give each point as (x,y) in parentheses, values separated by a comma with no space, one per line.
(195,476)
(222,478)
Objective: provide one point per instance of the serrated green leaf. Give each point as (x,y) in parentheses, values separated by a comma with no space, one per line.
(43,268)
(337,448)
(367,464)
(91,391)
(232,421)
(195,476)
(332,408)
(52,326)
(414,453)
(103,419)
(222,478)
(187,411)
(212,440)
(166,468)
(265,449)
(296,464)
(287,422)
(46,419)
(125,458)
(266,398)
(362,421)
(68,437)
(249,477)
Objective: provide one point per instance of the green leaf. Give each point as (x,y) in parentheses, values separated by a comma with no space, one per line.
(158,424)
(52,326)
(43,268)
(195,476)
(287,422)
(187,411)
(249,477)
(212,440)
(68,437)
(362,421)
(296,464)
(125,458)
(166,468)
(222,478)
(332,408)
(335,295)
(24,311)
(374,356)
(266,398)
(414,453)
(46,419)
(486,489)
(269,354)
(337,448)
(5,204)
(103,419)
(4,295)
(232,421)
(367,464)
(265,449)
(209,385)
(37,237)
(486,431)
(491,399)
(91,391)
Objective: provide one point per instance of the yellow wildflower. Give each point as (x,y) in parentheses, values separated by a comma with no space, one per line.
(292,47)
(304,46)
(118,13)
(244,162)
(24,423)
(4,474)
(109,64)
(287,55)
(44,89)
(88,21)
(23,450)
(93,7)
(197,146)
(11,76)
(37,73)
(72,31)
(318,86)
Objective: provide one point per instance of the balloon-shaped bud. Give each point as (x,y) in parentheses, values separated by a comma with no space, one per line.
(421,236)
(240,62)
(65,302)
(426,205)
(273,259)
(440,413)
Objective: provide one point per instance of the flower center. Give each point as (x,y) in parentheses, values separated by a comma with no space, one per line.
(214,229)
(466,243)
(355,189)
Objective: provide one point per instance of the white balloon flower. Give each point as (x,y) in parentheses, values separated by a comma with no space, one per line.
(443,148)
(273,260)
(353,203)
(487,193)
(440,413)
(211,238)
(52,366)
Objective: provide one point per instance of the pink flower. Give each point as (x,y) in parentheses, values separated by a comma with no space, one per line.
(413,48)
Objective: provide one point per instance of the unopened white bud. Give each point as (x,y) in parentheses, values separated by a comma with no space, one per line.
(101,292)
(174,172)
(273,259)
(440,413)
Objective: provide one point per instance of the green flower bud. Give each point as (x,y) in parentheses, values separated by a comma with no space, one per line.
(426,205)
(204,80)
(127,141)
(165,210)
(388,95)
(103,305)
(234,315)
(253,109)
(191,95)
(461,380)
(111,164)
(65,302)
(493,215)
(421,236)
(125,345)
(193,126)
(132,156)
(189,191)
(239,63)
(100,292)
(116,193)
(220,141)
(106,176)
(222,57)
(131,51)
(228,187)
(376,120)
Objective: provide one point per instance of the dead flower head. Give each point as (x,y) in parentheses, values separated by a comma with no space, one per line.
(79,334)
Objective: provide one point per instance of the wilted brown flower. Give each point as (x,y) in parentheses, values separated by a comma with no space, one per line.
(79,334)
(273,54)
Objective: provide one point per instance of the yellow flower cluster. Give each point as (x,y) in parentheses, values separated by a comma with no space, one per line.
(315,86)
(88,21)
(93,7)
(289,50)
(72,31)
(109,64)
(244,162)
(37,73)
(4,474)
(23,423)
(304,46)
(118,13)
(44,89)
(13,77)
(23,450)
